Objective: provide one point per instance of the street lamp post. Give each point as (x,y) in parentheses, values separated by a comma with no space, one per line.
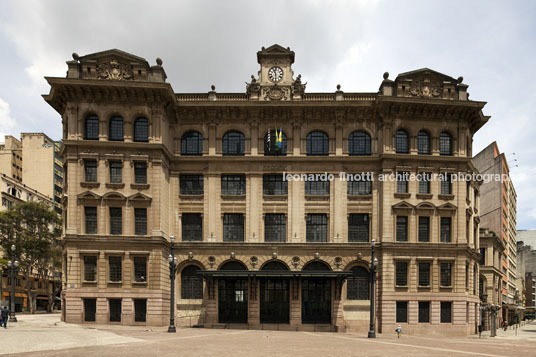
(172,268)
(373,265)
(13,264)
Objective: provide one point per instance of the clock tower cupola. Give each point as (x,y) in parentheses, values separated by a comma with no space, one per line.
(276,80)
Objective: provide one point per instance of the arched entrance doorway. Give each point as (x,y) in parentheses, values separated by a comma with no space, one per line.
(316,296)
(275,307)
(233,296)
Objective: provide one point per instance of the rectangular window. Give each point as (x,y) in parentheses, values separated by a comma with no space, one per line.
(482,256)
(401,274)
(317,188)
(90,268)
(140,221)
(192,227)
(233,185)
(402,228)
(191,185)
(91,220)
(446,311)
(360,187)
(116,271)
(446,184)
(317,228)
(116,220)
(115,310)
(140,310)
(116,172)
(140,172)
(467,276)
(424,229)
(445,229)
(424,183)
(401,311)
(358,227)
(140,269)
(233,227)
(402,182)
(424,311)
(274,184)
(275,228)
(446,274)
(90,167)
(424,274)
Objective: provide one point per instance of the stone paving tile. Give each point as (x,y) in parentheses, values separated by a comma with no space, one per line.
(117,341)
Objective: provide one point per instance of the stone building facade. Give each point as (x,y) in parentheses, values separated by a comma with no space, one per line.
(258,248)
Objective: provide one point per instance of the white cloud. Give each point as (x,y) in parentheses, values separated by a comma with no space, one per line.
(7,123)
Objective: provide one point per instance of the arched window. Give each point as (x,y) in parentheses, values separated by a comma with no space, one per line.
(445,144)
(402,142)
(191,283)
(233,143)
(317,143)
(274,265)
(233,265)
(317,266)
(141,130)
(92,127)
(271,145)
(116,132)
(192,143)
(423,143)
(359,143)
(357,286)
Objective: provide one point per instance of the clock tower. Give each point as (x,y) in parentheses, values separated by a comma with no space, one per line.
(276,80)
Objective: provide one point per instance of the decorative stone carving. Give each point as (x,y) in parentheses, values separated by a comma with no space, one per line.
(114,70)
(253,88)
(254,261)
(211,261)
(425,89)
(295,261)
(298,88)
(276,93)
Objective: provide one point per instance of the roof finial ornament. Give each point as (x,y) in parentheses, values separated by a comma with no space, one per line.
(213,87)
(386,75)
(159,61)
(75,56)
(338,87)
(460,79)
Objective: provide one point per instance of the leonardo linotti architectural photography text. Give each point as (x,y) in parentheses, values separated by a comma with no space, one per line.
(279,212)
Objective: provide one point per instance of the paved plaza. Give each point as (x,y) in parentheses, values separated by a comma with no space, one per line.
(45,335)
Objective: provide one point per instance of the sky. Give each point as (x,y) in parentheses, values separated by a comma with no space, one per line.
(490,43)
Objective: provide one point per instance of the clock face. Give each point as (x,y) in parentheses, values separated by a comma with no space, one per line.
(275,74)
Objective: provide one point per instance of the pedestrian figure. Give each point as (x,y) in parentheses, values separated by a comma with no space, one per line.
(398,331)
(4,314)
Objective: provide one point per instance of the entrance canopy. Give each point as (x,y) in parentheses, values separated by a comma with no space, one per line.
(273,274)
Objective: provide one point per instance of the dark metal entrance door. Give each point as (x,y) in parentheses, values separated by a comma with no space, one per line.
(275,301)
(316,301)
(233,300)
(90,309)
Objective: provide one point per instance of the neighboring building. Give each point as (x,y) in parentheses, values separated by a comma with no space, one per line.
(530,295)
(43,169)
(528,237)
(526,263)
(498,214)
(12,193)
(143,163)
(11,158)
(492,250)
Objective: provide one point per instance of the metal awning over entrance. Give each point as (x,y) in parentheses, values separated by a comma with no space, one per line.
(273,274)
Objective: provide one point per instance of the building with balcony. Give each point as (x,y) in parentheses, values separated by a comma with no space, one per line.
(265,237)
(498,214)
